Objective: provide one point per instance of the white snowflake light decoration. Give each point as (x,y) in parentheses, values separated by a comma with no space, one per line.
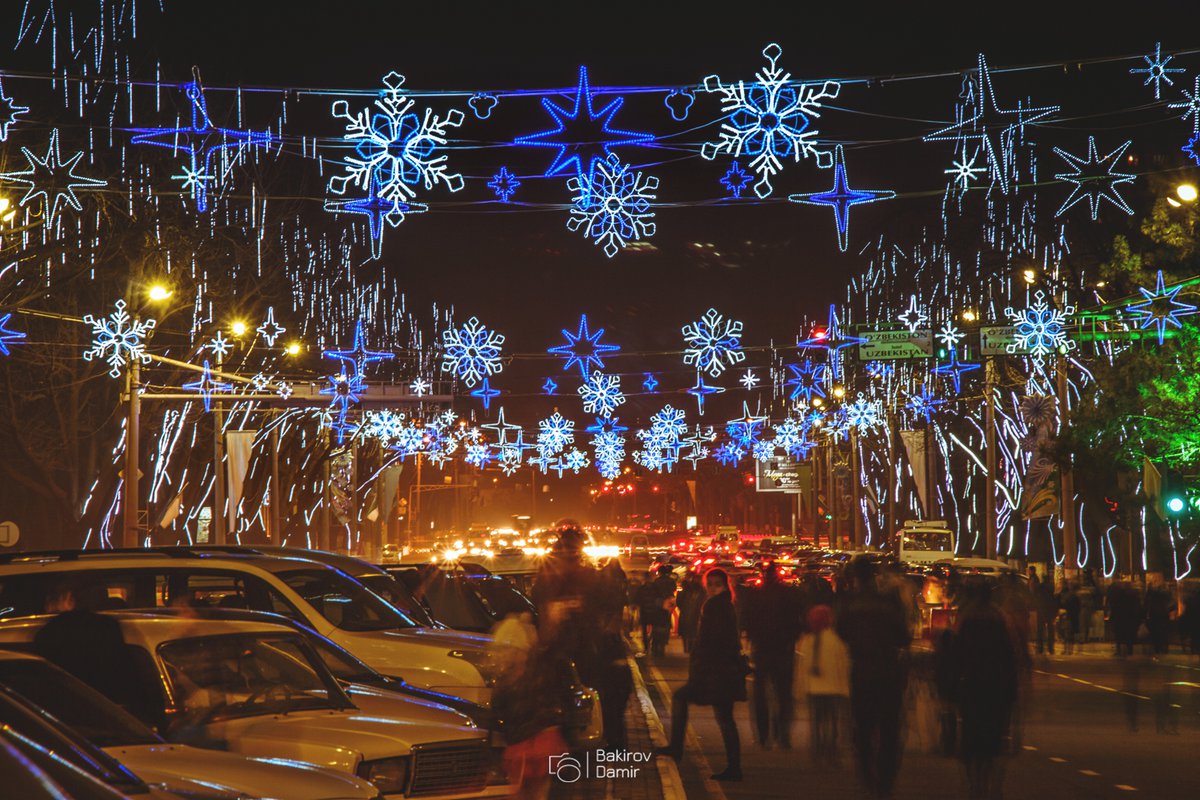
(769,119)
(575,460)
(419,387)
(612,204)
(472,352)
(555,433)
(713,343)
(949,335)
(1041,330)
(118,339)
(862,414)
(763,450)
(601,394)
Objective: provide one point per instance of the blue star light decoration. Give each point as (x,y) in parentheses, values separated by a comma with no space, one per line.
(344,390)
(9,111)
(472,352)
(880,369)
(702,390)
(583,349)
(713,343)
(486,393)
(841,198)
(1192,148)
(358,356)
(1160,308)
(118,339)
(549,387)
(729,454)
(206,385)
(395,151)
(52,179)
(582,135)
(1094,179)
(924,403)
(612,204)
(769,120)
(735,180)
(995,128)
(210,150)
(955,369)
(8,336)
(1156,70)
(504,184)
(378,210)
(601,394)
(1040,329)
(650,384)
(833,341)
(808,380)
(1192,106)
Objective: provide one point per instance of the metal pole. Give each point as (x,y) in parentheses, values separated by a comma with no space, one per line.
(326,492)
(855,490)
(218,517)
(276,491)
(989,425)
(832,487)
(130,533)
(891,484)
(415,510)
(1067,482)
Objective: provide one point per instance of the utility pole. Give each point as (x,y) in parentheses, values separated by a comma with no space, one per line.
(218,516)
(131,529)
(326,492)
(833,494)
(1067,480)
(891,480)
(989,428)
(276,490)
(855,491)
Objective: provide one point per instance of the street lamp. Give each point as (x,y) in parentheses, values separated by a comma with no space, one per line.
(293,349)
(1186,192)
(237,328)
(159,292)
(7,213)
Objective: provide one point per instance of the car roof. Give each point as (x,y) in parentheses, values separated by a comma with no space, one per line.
(71,560)
(160,625)
(16,655)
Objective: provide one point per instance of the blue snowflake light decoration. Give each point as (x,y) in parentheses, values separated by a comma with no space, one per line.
(9,111)
(472,352)
(1192,106)
(841,198)
(486,393)
(504,184)
(862,414)
(52,179)
(955,369)
(808,379)
(609,451)
(210,149)
(395,151)
(118,339)
(582,135)
(1156,70)
(1094,179)
(713,343)
(763,450)
(555,433)
(670,421)
(1160,308)
(583,349)
(1192,148)
(7,336)
(769,120)
(1041,330)
(612,204)
(924,403)
(735,180)
(601,394)
(575,460)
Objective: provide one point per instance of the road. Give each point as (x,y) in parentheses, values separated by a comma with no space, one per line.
(1077,741)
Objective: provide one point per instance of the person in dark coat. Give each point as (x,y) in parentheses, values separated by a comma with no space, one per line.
(1045,604)
(1072,605)
(689,599)
(614,679)
(1125,613)
(716,675)
(663,596)
(873,626)
(1158,615)
(771,620)
(986,666)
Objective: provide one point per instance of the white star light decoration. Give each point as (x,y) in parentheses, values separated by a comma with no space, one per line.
(419,387)
(1156,70)
(52,179)
(1094,179)
(270,330)
(1192,106)
(117,339)
(914,317)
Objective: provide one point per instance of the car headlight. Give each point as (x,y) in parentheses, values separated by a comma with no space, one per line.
(479,659)
(389,775)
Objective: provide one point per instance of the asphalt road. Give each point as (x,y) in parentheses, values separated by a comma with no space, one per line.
(1077,740)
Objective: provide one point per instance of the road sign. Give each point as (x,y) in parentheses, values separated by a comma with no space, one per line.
(892,345)
(994,340)
(10,534)
(782,475)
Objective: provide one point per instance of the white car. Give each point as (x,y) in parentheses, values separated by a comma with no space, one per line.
(322,597)
(260,690)
(174,767)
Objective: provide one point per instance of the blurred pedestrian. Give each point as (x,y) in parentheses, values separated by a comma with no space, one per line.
(825,675)
(1072,606)
(663,596)
(716,676)
(1045,604)
(1125,612)
(872,625)
(689,599)
(986,691)
(771,620)
(613,678)
(528,699)
(1158,614)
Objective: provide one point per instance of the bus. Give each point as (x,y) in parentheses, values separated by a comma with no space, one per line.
(924,542)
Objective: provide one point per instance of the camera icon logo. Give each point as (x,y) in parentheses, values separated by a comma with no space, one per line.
(565,767)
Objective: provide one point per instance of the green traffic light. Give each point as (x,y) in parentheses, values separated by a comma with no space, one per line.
(1175,505)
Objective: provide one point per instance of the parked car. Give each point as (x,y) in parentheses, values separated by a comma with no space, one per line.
(322,597)
(177,768)
(465,596)
(259,689)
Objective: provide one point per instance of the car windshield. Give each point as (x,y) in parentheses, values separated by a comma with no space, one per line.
(344,666)
(928,540)
(85,710)
(239,675)
(346,603)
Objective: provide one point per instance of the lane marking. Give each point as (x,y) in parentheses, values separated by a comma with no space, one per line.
(1089,683)
(1124,787)
(1089,772)
(1058,760)
(691,741)
(1028,747)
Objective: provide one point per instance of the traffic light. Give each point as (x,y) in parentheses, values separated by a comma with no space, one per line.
(1173,494)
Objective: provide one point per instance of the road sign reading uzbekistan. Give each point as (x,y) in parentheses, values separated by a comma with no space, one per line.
(994,340)
(891,345)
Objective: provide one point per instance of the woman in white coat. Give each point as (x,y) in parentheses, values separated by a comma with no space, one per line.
(825,676)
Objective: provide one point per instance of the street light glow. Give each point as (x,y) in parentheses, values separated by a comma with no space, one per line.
(1186,192)
(159,292)
(238,328)
(293,349)
(6,215)
(1029,275)
(968,316)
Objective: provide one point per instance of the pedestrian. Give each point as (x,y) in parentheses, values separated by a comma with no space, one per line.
(663,596)
(825,675)
(771,620)
(528,700)
(1158,614)
(613,676)
(1125,612)
(1072,606)
(1045,604)
(716,676)
(986,691)
(688,600)
(872,625)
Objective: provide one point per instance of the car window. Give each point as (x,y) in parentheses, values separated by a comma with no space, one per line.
(85,710)
(25,594)
(398,595)
(344,602)
(237,675)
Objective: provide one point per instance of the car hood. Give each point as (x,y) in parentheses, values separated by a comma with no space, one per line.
(378,702)
(446,638)
(184,768)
